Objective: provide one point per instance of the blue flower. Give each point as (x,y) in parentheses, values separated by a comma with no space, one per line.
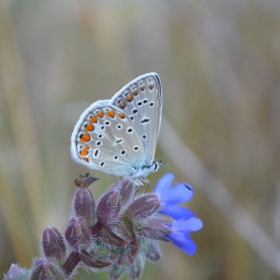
(184,219)
(170,197)
(181,234)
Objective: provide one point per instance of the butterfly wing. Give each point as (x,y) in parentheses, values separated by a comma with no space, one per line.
(141,100)
(105,139)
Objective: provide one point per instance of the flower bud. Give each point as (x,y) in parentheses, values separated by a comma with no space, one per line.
(109,207)
(77,233)
(136,268)
(153,252)
(44,269)
(157,228)
(116,272)
(84,181)
(126,191)
(91,261)
(127,230)
(132,252)
(17,273)
(53,244)
(108,236)
(71,263)
(143,207)
(122,259)
(83,205)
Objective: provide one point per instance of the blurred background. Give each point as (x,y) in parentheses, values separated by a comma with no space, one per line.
(219,62)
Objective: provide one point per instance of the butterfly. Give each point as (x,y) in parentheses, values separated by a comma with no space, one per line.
(119,136)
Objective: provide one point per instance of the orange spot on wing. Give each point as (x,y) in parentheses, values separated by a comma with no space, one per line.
(85,159)
(84,151)
(111,113)
(93,119)
(100,114)
(141,85)
(84,137)
(122,105)
(129,98)
(89,127)
(135,91)
(121,115)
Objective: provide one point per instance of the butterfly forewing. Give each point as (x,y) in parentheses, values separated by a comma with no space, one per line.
(141,100)
(106,139)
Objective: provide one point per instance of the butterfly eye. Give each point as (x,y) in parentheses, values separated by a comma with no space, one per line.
(136,148)
(152,104)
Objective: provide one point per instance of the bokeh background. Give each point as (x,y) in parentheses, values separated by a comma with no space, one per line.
(219,62)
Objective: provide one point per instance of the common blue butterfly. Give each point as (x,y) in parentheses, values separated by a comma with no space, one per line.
(119,136)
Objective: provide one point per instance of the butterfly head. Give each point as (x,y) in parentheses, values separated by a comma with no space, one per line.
(146,169)
(155,165)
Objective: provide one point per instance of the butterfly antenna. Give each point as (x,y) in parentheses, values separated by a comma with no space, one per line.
(161,163)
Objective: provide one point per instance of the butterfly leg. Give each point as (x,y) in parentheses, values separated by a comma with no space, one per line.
(120,180)
(139,186)
(144,179)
